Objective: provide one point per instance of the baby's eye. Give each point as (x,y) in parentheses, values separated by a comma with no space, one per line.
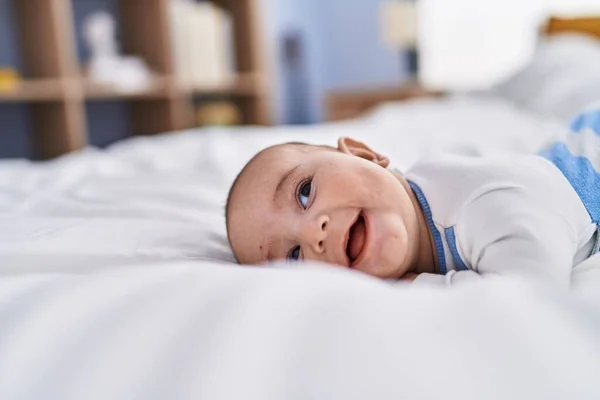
(304,193)
(294,254)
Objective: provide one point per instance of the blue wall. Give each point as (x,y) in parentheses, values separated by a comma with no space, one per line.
(283,16)
(342,50)
(355,54)
(14,118)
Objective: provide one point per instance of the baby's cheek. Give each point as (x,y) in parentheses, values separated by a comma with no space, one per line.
(371,192)
(383,191)
(392,249)
(396,246)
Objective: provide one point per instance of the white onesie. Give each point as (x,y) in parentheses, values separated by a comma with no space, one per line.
(531,216)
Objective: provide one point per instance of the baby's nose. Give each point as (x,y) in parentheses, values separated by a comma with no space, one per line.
(315,233)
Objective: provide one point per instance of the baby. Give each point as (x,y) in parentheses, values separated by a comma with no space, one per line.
(449,219)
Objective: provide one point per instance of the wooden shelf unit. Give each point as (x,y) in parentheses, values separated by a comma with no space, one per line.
(56,90)
(35,90)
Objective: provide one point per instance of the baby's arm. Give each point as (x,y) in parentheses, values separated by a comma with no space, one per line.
(512,233)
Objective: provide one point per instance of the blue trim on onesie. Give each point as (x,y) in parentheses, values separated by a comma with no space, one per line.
(589,119)
(437,237)
(581,175)
(451,239)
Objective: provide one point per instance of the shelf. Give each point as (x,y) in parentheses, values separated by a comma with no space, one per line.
(57,89)
(158,88)
(243,84)
(34,90)
(58,94)
(161,87)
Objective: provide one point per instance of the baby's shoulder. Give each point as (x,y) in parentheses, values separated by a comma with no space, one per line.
(451,182)
(491,173)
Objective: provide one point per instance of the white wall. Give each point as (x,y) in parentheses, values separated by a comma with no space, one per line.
(476,49)
(472,50)
(574,7)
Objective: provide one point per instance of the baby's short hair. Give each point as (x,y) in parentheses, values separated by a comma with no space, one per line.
(239,177)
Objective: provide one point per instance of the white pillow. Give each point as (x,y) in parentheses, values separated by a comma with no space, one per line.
(562,79)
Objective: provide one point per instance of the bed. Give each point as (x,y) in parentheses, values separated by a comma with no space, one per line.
(117,281)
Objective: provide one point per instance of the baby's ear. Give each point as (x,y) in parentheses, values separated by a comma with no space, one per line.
(358,149)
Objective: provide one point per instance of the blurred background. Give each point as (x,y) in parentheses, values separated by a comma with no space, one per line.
(78,72)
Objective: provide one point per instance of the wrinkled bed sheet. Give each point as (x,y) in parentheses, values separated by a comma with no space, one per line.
(116,282)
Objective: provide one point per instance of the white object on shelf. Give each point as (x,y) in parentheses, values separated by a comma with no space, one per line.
(202,37)
(227,46)
(399,23)
(107,66)
(208,46)
(200,58)
(180,13)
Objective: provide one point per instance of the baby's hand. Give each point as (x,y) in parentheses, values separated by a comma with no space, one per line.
(409,277)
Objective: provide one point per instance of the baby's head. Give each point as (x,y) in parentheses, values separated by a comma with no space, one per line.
(340,206)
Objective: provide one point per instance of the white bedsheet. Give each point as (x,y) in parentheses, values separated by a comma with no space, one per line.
(113,283)
(192,331)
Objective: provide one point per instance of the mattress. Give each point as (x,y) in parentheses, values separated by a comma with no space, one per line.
(116,282)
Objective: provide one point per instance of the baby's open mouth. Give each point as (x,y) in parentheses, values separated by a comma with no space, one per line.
(356,239)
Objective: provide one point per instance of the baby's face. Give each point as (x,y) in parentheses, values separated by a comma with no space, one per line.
(308,203)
